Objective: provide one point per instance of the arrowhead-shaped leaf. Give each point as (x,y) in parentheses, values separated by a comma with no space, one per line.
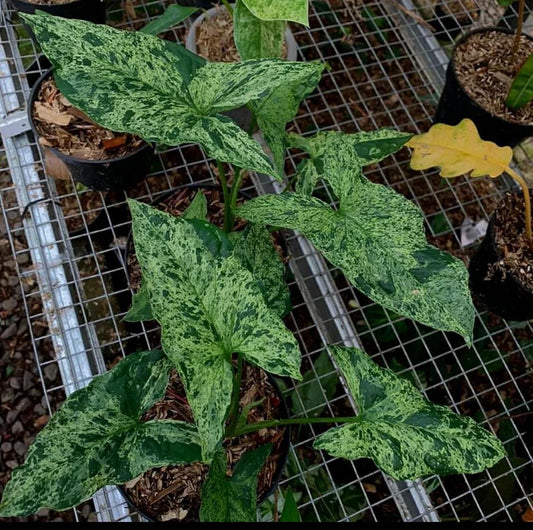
(255,250)
(233,499)
(377,239)
(405,435)
(208,307)
(96,439)
(256,38)
(140,309)
(336,157)
(134,82)
(295,10)
(458,150)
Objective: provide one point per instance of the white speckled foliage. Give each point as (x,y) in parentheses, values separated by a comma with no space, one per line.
(402,432)
(209,307)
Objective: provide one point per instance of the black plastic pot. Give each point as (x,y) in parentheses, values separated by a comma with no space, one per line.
(455,105)
(283,451)
(91,10)
(494,288)
(111,174)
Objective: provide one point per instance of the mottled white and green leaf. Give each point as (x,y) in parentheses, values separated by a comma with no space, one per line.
(338,157)
(233,499)
(129,81)
(405,435)
(256,38)
(140,309)
(96,439)
(294,10)
(376,237)
(254,246)
(209,307)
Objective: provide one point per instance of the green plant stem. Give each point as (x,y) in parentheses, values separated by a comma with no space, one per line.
(234,404)
(527,202)
(519,24)
(267,424)
(228,7)
(235,186)
(228,212)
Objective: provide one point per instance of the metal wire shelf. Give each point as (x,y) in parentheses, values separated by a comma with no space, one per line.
(386,69)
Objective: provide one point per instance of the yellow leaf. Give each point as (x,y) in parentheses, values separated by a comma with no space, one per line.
(458,150)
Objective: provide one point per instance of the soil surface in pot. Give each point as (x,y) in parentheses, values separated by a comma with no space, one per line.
(485,68)
(172,493)
(214,39)
(67,129)
(510,238)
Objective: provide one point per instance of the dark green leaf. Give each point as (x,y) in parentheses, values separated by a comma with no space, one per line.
(233,499)
(290,513)
(505,3)
(172,16)
(97,439)
(209,307)
(521,91)
(407,436)
(377,239)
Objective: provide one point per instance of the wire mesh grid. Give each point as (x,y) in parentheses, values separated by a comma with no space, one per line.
(386,67)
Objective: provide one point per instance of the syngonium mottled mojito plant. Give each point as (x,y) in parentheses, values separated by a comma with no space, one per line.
(220,295)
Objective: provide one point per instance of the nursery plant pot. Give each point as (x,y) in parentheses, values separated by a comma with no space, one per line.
(499,268)
(91,10)
(455,104)
(108,174)
(146,494)
(242,116)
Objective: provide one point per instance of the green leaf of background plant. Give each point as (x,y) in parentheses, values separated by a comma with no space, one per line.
(405,435)
(209,308)
(337,157)
(96,439)
(233,499)
(128,81)
(290,513)
(172,16)
(197,209)
(256,38)
(521,91)
(295,10)
(255,249)
(377,238)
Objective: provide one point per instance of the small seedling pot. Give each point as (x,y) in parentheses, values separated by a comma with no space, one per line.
(91,10)
(110,174)
(493,284)
(279,453)
(455,104)
(242,116)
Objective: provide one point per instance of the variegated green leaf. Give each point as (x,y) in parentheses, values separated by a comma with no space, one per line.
(197,209)
(337,157)
(256,38)
(97,439)
(407,436)
(275,111)
(133,82)
(377,238)
(295,10)
(233,499)
(209,307)
(140,309)
(255,250)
